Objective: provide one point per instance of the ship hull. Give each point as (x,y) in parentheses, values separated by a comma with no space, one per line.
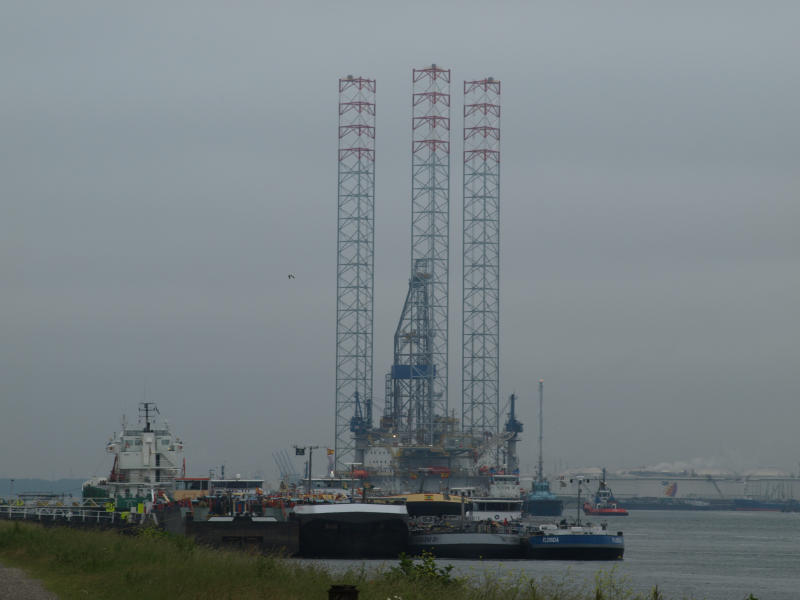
(675,504)
(606,512)
(468,545)
(615,511)
(566,546)
(352,530)
(758,505)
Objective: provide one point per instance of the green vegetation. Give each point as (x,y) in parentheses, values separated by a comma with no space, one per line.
(425,570)
(156,565)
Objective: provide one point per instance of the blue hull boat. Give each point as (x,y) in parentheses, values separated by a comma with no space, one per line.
(551,542)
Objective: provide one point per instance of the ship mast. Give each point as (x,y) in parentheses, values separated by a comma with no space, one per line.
(513,429)
(146,409)
(541,394)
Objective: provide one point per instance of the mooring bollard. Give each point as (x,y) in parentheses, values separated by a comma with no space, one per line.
(343,592)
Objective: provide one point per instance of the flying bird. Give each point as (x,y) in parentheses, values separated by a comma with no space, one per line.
(291,275)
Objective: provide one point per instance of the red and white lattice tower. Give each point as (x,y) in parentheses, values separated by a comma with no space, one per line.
(430,209)
(355,267)
(480,351)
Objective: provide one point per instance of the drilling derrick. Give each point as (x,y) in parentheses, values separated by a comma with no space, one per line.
(355,267)
(481,260)
(430,212)
(410,409)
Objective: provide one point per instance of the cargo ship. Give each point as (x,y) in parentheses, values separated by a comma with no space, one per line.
(147,460)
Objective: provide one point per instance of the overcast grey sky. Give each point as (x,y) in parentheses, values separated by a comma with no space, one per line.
(164,165)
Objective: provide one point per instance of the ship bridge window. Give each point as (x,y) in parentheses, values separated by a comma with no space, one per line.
(165,442)
(238,484)
(138,442)
(192,485)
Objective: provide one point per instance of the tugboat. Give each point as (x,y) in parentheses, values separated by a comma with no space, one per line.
(604,502)
(541,501)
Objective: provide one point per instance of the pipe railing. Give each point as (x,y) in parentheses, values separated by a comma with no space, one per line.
(70,514)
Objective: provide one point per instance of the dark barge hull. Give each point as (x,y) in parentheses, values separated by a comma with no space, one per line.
(352,530)
(340,539)
(239,532)
(468,545)
(575,553)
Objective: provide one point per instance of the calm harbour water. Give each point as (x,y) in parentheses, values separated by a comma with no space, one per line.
(712,555)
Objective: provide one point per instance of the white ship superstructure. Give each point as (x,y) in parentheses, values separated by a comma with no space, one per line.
(147,458)
(504,502)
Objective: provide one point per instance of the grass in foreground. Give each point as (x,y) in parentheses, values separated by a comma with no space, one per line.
(154,565)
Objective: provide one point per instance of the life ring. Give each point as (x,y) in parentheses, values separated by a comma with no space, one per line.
(497,517)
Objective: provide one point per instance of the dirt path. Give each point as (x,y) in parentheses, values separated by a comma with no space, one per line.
(15,585)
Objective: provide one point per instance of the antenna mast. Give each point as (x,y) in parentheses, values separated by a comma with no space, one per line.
(513,427)
(146,409)
(541,397)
